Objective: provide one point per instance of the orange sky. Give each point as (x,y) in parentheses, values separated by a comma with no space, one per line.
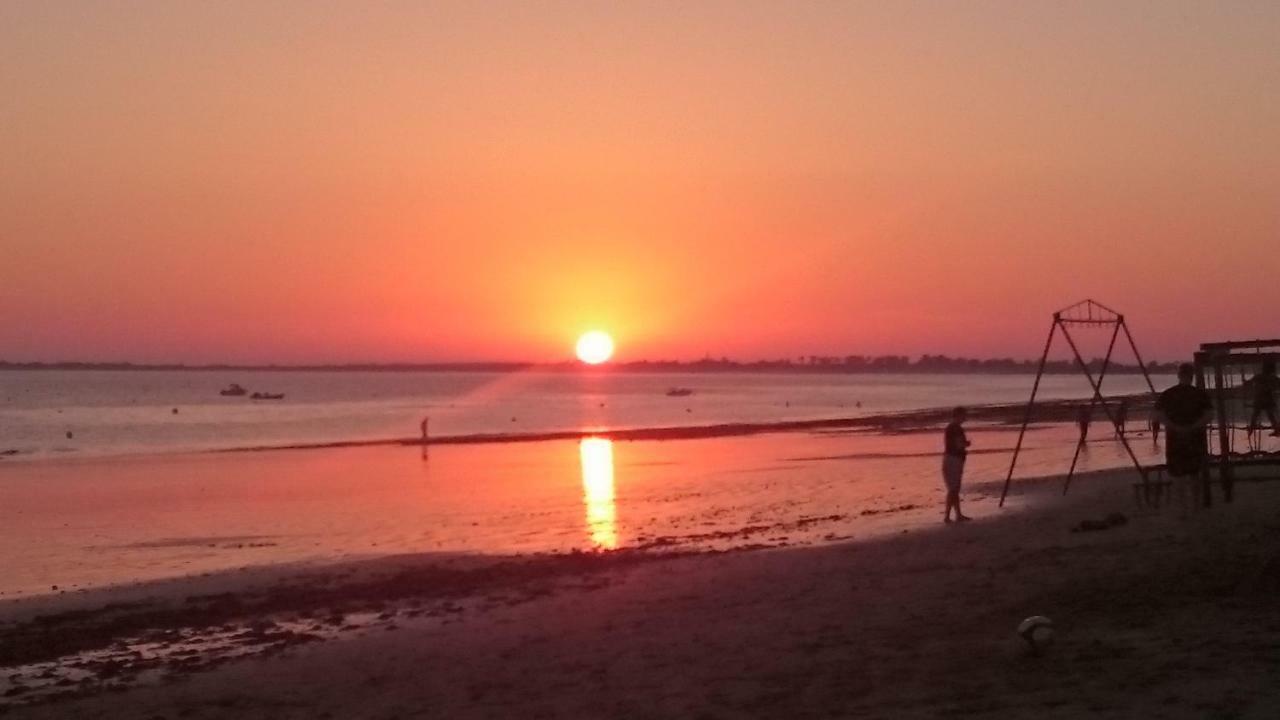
(317,182)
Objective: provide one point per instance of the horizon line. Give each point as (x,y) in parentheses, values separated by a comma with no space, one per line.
(831,363)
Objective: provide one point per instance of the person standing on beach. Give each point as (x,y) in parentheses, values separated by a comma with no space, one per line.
(1122,417)
(1083,417)
(1185,410)
(1264,397)
(955,450)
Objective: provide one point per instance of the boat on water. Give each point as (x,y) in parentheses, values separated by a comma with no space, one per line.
(679,392)
(266,396)
(232,390)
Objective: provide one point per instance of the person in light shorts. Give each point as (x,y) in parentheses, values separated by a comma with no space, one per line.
(955,450)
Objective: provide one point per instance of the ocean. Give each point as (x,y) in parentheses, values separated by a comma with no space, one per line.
(131,496)
(74,413)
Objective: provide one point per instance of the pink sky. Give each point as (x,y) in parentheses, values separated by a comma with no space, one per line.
(319,182)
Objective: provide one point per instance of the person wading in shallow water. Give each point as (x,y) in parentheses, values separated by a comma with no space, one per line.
(1122,418)
(1084,415)
(955,450)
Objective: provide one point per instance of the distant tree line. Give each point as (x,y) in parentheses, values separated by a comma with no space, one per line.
(900,364)
(798,364)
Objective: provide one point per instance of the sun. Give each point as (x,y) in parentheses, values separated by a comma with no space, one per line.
(595,347)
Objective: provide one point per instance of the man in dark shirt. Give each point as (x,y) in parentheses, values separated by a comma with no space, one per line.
(955,450)
(1184,410)
(1264,396)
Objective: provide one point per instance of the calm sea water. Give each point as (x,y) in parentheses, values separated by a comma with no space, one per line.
(133,412)
(71,520)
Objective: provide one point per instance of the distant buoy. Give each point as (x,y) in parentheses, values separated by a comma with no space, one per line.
(69,435)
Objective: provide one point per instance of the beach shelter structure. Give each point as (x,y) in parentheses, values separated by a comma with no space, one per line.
(1230,372)
(1084,315)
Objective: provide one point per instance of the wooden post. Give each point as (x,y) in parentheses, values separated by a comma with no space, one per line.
(1224,438)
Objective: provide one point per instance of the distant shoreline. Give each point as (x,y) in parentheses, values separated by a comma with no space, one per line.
(901,366)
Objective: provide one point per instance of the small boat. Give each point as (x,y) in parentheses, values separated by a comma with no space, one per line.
(232,390)
(679,392)
(266,396)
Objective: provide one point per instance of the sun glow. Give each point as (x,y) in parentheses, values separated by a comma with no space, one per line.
(595,347)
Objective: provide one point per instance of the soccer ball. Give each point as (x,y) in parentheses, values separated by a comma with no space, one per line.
(1037,632)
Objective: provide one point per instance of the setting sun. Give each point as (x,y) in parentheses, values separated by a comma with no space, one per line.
(595,347)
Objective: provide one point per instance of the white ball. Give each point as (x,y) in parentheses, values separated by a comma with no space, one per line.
(1037,632)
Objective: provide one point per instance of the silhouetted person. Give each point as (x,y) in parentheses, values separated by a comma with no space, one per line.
(1155,427)
(955,450)
(1084,415)
(1122,417)
(1264,396)
(1185,410)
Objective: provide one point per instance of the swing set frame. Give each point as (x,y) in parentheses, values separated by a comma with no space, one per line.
(1092,315)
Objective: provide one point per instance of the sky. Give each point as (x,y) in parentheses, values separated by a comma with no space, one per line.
(418,181)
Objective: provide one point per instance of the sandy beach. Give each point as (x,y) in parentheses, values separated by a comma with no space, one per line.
(1160,616)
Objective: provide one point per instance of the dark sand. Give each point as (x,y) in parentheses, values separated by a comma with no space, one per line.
(1157,617)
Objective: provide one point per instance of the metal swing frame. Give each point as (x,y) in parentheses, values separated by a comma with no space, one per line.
(1087,314)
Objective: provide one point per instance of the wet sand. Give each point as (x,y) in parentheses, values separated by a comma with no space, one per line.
(1156,617)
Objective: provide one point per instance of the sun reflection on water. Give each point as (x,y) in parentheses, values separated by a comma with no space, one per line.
(597,489)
